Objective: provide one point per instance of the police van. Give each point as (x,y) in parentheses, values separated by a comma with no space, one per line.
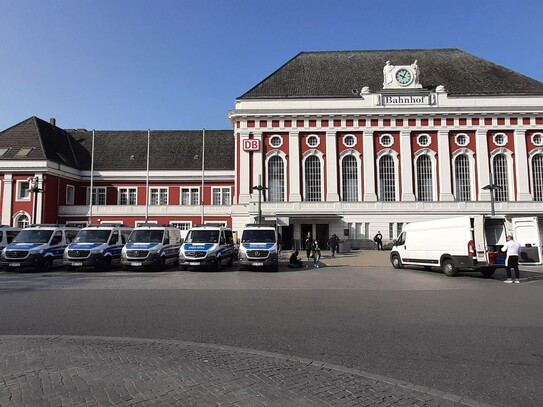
(7,234)
(152,246)
(208,246)
(259,247)
(39,246)
(96,246)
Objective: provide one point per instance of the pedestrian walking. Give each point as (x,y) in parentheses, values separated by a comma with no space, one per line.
(333,244)
(378,238)
(511,261)
(316,252)
(307,245)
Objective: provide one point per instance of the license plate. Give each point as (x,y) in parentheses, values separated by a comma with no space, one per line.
(135,264)
(258,264)
(194,263)
(76,264)
(15,264)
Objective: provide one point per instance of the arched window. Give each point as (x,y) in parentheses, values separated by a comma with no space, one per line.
(22,221)
(425,179)
(313,179)
(349,176)
(387,179)
(501,177)
(276,179)
(537,177)
(462,178)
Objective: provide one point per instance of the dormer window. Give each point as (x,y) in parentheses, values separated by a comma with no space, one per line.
(23,152)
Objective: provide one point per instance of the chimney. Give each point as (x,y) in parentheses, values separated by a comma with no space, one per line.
(53,121)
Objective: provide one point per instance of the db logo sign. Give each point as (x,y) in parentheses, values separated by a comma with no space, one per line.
(251,145)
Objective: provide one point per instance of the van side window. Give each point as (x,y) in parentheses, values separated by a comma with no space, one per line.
(166,237)
(57,238)
(222,237)
(10,235)
(401,240)
(229,237)
(114,237)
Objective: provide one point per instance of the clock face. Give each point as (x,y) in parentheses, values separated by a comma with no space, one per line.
(403,76)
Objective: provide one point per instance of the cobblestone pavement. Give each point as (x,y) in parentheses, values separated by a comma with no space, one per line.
(100,371)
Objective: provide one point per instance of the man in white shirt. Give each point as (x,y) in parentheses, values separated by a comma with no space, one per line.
(511,262)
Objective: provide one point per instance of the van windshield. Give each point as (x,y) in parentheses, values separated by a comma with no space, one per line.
(202,236)
(146,236)
(33,236)
(258,236)
(92,236)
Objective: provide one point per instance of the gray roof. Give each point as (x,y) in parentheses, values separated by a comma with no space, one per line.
(337,73)
(119,150)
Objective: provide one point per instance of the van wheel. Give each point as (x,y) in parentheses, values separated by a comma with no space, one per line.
(162,264)
(219,264)
(396,262)
(231,261)
(449,269)
(106,266)
(488,272)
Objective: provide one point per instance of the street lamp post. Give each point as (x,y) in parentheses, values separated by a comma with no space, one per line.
(492,188)
(259,188)
(35,189)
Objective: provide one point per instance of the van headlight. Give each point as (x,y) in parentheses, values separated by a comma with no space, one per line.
(153,251)
(96,251)
(36,251)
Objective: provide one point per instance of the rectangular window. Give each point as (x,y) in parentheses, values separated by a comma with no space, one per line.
(128,196)
(221,196)
(181,225)
(399,228)
(70,194)
(391,230)
(98,195)
(143,222)
(190,196)
(23,191)
(158,196)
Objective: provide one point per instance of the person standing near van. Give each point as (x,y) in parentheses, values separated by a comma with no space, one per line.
(316,252)
(511,261)
(379,240)
(307,245)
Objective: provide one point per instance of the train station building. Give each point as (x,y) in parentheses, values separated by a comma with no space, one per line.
(344,142)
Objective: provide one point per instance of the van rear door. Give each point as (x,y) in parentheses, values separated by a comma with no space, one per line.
(479,239)
(527,232)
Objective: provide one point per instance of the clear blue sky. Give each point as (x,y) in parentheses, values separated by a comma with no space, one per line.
(180,64)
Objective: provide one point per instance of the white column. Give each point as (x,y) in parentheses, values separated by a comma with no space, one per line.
(39,198)
(331,167)
(521,167)
(483,168)
(294,161)
(444,165)
(7,198)
(243,171)
(368,156)
(406,173)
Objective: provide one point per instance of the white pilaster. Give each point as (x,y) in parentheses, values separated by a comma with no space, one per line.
(521,167)
(368,155)
(7,198)
(444,164)
(243,171)
(258,166)
(294,161)
(483,168)
(331,167)
(406,173)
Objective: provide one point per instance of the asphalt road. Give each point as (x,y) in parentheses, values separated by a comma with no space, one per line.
(470,336)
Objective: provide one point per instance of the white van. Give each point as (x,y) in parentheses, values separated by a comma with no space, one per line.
(529,233)
(152,245)
(38,246)
(259,247)
(461,243)
(7,234)
(207,246)
(97,246)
